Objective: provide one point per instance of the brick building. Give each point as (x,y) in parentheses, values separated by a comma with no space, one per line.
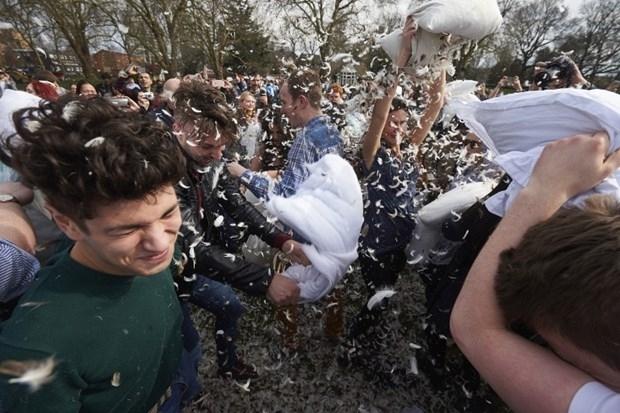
(111,62)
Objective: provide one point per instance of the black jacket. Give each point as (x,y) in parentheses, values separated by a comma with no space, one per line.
(217,220)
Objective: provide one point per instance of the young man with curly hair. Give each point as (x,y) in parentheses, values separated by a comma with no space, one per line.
(101,324)
(217,220)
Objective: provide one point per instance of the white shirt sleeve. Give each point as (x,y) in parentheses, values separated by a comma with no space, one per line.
(594,397)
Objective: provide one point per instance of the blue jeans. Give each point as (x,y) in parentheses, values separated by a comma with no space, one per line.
(220,300)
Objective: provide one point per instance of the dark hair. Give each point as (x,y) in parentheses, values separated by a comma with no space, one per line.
(275,124)
(561,68)
(399,103)
(305,83)
(85,153)
(46,75)
(199,102)
(564,276)
(79,84)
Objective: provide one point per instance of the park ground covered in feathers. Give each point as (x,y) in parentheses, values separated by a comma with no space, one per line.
(310,380)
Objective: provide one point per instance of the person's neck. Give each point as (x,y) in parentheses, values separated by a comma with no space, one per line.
(395,149)
(310,114)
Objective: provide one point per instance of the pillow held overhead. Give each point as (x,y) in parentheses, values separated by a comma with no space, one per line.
(466,20)
(469,19)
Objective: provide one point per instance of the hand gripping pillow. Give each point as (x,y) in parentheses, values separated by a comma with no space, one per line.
(466,19)
(516,128)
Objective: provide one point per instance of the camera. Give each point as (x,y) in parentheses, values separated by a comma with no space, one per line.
(148,95)
(561,68)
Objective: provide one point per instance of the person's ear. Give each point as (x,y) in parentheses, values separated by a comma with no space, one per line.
(177,129)
(66,224)
(302,102)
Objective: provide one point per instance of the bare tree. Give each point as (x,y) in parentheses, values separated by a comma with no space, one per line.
(532,26)
(506,7)
(25,17)
(156,25)
(80,22)
(209,31)
(125,27)
(596,40)
(320,25)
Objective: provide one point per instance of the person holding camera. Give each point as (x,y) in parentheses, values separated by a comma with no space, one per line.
(506,85)
(558,73)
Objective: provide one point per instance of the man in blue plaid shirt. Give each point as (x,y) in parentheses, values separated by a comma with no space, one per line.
(301,103)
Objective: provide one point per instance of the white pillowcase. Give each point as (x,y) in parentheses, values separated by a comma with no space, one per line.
(516,127)
(466,19)
(463,91)
(430,218)
(327,211)
(469,19)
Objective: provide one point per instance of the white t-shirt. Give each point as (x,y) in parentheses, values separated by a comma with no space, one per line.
(594,397)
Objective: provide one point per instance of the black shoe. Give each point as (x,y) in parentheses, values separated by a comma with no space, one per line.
(240,372)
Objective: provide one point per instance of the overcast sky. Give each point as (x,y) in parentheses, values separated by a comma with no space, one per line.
(573,5)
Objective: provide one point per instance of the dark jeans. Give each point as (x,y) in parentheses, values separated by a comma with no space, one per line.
(378,274)
(220,300)
(185,385)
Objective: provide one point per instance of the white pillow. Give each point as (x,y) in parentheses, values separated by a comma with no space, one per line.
(424,47)
(522,121)
(470,19)
(465,19)
(463,91)
(327,211)
(516,128)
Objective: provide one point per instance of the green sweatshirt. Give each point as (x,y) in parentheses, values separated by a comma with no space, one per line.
(116,340)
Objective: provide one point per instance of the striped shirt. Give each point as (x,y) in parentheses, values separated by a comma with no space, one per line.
(17,270)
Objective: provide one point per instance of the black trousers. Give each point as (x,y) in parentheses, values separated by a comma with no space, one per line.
(378,274)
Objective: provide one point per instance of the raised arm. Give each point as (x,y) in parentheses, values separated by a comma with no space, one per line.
(521,372)
(381,111)
(380,114)
(435,103)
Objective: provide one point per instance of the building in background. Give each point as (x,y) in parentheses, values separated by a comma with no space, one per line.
(108,61)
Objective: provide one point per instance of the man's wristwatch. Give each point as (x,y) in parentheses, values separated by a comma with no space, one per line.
(8,198)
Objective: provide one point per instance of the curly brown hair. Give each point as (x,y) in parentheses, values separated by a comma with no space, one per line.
(85,154)
(564,277)
(205,106)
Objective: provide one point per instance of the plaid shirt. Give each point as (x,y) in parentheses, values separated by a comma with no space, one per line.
(316,139)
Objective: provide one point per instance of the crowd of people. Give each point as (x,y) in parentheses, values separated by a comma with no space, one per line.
(128,204)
